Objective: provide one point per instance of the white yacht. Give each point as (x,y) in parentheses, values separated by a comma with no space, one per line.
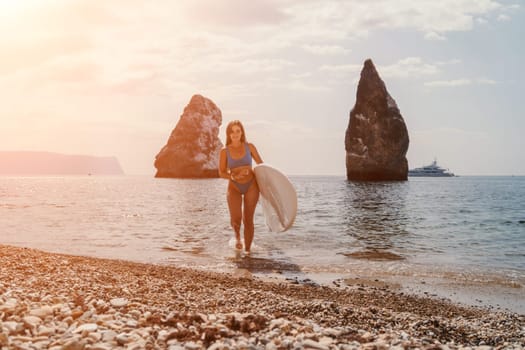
(431,170)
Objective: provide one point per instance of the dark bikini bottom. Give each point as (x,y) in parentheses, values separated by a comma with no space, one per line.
(243,188)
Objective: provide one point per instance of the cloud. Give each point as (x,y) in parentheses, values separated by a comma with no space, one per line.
(355,19)
(69,71)
(456,132)
(234,13)
(448,62)
(410,67)
(325,49)
(303,75)
(48,30)
(481,20)
(341,68)
(460,82)
(187,39)
(249,66)
(288,129)
(485,81)
(448,83)
(141,85)
(512,8)
(299,85)
(28,52)
(171,48)
(434,36)
(503,18)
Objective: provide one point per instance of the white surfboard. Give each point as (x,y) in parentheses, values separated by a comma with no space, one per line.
(278,197)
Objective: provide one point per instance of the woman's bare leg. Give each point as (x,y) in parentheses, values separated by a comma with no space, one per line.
(235,205)
(250,203)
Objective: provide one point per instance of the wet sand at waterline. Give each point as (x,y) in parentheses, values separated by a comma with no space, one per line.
(61,301)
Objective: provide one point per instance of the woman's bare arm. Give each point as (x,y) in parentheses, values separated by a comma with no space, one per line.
(223,165)
(255,154)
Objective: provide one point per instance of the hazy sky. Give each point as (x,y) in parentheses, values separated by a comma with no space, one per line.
(111,78)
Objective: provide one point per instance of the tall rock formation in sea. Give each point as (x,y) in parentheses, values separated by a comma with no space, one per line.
(193,147)
(376,139)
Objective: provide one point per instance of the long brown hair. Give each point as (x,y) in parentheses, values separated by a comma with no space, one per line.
(229,131)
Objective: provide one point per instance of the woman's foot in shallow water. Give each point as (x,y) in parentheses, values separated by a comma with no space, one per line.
(238,245)
(247,253)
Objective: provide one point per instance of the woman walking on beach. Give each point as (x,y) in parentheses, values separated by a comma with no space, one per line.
(235,164)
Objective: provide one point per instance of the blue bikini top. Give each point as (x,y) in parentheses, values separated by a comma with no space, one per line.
(235,163)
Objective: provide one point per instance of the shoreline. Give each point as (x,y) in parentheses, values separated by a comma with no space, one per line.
(486,290)
(61,301)
(489,291)
(490,296)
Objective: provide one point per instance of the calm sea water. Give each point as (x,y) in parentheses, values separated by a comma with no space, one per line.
(463,228)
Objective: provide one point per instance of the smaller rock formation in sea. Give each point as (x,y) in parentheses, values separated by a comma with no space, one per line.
(48,163)
(376,139)
(193,147)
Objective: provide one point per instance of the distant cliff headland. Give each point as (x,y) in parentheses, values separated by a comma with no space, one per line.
(47,163)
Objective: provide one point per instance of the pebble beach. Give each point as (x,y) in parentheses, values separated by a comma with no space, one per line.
(55,301)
